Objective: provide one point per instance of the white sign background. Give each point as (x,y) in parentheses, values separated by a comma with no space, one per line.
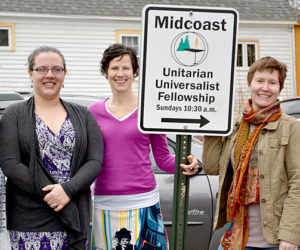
(215,30)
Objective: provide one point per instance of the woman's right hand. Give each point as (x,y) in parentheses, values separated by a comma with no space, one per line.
(192,168)
(57,197)
(284,245)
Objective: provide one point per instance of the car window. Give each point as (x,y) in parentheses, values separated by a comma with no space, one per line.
(155,168)
(196,151)
(5,103)
(291,107)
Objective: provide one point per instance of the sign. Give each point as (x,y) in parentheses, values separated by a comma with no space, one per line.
(187,70)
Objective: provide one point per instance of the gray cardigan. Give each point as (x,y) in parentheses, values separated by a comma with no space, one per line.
(21,163)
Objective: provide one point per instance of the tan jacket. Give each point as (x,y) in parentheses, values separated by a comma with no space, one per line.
(278,148)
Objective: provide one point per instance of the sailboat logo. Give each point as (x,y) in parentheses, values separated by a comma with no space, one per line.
(189,49)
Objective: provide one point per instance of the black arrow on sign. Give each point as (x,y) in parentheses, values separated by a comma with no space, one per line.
(202,121)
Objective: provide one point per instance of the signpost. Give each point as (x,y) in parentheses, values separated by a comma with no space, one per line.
(186,83)
(180,193)
(187,70)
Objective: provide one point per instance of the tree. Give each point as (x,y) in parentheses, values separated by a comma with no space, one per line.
(184,45)
(181,45)
(186,42)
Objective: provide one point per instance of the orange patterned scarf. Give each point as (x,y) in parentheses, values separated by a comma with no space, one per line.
(245,185)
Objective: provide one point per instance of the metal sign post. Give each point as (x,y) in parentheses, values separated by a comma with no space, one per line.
(180,193)
(188,56)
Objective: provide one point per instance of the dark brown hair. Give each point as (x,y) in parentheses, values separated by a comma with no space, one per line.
(271,64)
(117,50)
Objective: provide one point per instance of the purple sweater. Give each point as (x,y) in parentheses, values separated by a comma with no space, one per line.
(126,165)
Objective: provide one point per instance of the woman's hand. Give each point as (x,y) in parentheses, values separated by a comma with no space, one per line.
(192,168)
(56,198)
(284,245)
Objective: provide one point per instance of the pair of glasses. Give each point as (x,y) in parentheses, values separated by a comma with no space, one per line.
(54,70)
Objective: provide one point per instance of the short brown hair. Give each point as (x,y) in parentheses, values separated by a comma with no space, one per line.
(117,50)
(268,63)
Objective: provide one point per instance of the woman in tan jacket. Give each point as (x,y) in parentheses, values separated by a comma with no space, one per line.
(259,168)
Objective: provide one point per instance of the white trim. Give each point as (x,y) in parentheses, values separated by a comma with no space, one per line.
(293,62)
(268,23)
(69,16)
(9,37)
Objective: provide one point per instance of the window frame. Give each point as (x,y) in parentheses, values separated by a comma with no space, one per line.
(11,37)
(245,56)
(129,33)
(132,33)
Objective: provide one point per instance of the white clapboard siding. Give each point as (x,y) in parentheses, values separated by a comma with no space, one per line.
(82,41)
(273,41)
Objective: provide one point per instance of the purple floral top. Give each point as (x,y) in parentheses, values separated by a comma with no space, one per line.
(56,150)
(56,153)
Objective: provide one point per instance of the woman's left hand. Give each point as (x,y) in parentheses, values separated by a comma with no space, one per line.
(284,245)
(192,168)
(56,198)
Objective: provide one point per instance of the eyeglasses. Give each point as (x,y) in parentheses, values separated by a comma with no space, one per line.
(54,70)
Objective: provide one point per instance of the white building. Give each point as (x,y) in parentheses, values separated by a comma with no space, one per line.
(83,29)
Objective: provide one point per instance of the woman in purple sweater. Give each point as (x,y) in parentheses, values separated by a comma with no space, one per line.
(126,210)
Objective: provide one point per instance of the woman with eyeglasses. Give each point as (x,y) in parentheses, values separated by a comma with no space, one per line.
(126,197)
(51,152)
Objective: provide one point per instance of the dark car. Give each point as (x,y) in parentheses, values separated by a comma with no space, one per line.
(7,99)
(202,193)
(202,201)
(291,107)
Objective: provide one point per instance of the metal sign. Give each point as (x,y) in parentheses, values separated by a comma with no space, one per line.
(187,69)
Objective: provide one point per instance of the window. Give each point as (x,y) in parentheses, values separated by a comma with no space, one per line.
(7,37)
(130,38)
(239,60)
(131,41)
(156,169)
(247,53)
